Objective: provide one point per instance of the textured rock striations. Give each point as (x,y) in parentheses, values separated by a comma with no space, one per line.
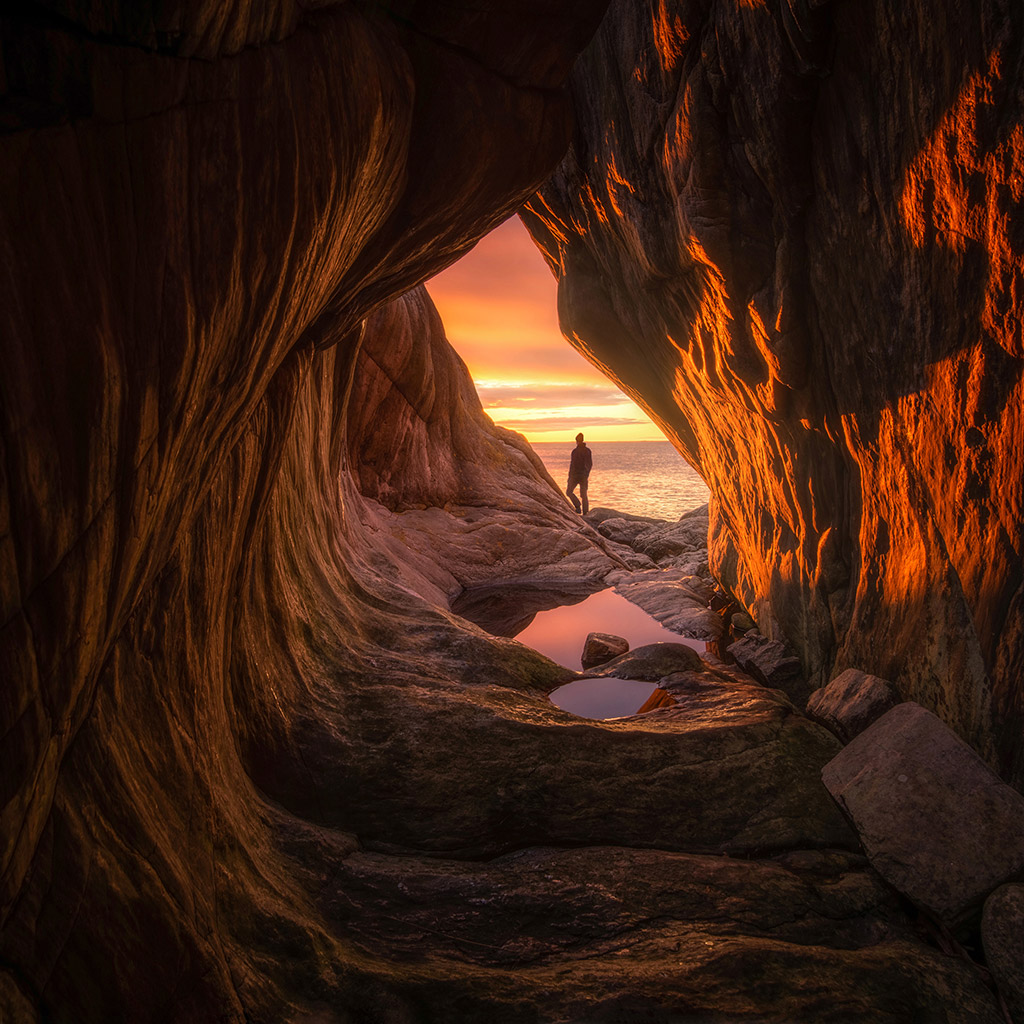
(253,769)
(791,231)
(178,237)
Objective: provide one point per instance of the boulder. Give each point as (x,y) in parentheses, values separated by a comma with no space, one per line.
(602,647)
(1002,933)
(653,662)
(770,663)
(851,702)
(934,819)
(741,622)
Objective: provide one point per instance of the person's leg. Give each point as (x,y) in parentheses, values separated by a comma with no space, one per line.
(583,497)
(572,497)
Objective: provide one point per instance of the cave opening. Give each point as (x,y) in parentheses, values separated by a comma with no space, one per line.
(254,769)
(498,305)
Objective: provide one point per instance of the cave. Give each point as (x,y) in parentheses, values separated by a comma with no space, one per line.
(254,768)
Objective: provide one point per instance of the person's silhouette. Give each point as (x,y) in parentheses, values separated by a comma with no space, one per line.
(580,464)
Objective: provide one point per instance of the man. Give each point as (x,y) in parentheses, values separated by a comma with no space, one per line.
(580,465)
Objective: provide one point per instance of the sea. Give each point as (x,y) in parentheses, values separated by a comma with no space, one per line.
(645,478)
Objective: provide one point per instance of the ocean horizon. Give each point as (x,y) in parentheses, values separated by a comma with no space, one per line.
(645,478)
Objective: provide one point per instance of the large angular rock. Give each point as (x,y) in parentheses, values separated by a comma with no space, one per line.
(1002,932)
(934,819)
(851,702)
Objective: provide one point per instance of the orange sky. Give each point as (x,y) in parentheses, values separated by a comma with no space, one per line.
(498,308)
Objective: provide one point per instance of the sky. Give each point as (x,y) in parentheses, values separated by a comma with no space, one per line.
(499,312)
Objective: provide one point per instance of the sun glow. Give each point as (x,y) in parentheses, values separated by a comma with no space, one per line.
(498,305)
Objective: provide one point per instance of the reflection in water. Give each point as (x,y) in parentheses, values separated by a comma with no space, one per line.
(556,623)
(507,611)
(608,698)
(561,632)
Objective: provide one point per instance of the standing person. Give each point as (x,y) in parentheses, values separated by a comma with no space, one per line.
(580,465)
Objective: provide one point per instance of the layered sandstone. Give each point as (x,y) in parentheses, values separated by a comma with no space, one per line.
(791,232)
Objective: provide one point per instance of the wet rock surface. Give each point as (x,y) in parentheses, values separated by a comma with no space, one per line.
(934,819)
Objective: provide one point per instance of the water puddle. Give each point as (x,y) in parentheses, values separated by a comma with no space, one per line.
(556,623)
(507,610)
(609,698)
(560,633)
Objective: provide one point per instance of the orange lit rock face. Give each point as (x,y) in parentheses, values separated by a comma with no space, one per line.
(794,238)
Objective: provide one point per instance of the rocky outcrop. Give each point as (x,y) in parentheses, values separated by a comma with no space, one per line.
(789,231)
(458,502)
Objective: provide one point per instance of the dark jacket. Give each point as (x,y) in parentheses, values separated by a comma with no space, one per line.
(581,463)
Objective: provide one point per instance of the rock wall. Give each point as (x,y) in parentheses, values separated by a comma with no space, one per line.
(457,500)
(790,231)
(197,198)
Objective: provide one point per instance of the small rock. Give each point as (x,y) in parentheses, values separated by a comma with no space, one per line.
(770,663)
(602,647)
(1002,933)
(742,623)
(851,702)
(935,821)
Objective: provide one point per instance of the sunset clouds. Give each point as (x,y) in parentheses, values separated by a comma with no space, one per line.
(499,311)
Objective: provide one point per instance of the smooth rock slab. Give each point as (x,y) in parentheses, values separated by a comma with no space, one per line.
(851,702)
(609,935)
(935,821)
(602,647)
(1002,933)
